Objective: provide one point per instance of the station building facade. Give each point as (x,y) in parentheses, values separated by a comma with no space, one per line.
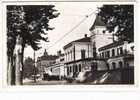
(100,51)
(79,57)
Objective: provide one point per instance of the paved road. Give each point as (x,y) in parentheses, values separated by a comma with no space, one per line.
(42,82)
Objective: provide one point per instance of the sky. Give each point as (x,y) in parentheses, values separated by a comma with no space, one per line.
(71,14)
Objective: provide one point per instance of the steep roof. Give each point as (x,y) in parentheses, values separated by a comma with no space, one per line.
(97,22)
(85,39)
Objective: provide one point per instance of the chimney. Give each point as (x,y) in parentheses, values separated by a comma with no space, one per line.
(85,35)
(59,52)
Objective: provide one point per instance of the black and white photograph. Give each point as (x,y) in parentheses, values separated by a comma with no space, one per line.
(70,43)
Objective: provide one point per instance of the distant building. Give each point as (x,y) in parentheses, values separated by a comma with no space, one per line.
(118,55)
(99,37)
(57,69)
(60,61)
(45,61)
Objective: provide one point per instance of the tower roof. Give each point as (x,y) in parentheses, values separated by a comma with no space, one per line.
(97,22)
(45,53)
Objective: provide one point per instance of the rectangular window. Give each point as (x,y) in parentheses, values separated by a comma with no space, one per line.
(73,68)
(71,55)
(108,54)
(121,50)
(117,51)
(70,69)
(94,52)
(80,69)
(100,55)
(76,68)
(103,54)
(82,54)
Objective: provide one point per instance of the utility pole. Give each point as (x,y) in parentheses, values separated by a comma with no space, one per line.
(113,35)
(34,68)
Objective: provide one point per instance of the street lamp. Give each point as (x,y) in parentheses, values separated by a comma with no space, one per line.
(34,68)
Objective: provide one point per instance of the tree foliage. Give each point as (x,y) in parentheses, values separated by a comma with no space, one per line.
(26,25)
(30,22)
(29,68)
(119,19)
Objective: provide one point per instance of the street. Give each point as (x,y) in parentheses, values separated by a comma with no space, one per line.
(43,82)
(112,77)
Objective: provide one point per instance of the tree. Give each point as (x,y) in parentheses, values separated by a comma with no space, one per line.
(25,26)
(119,19)
(29,68)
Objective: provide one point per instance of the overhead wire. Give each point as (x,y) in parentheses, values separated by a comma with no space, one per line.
(86,16)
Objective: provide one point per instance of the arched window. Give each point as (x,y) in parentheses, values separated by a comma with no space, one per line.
(120,64)
(114,65)
(51,69)
(118,51)
(113,52)
(127,65)
(108,54)
(107,66)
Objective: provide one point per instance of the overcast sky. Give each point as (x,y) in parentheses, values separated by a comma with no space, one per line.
(71,13)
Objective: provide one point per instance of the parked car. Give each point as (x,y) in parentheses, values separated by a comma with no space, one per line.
(83,76)
(50,77)
(70,78)
(32,77)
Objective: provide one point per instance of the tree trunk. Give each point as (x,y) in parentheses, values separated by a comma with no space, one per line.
(18,70)
(10,71)
(18,53)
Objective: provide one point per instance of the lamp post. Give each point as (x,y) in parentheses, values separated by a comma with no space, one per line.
(34,68)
